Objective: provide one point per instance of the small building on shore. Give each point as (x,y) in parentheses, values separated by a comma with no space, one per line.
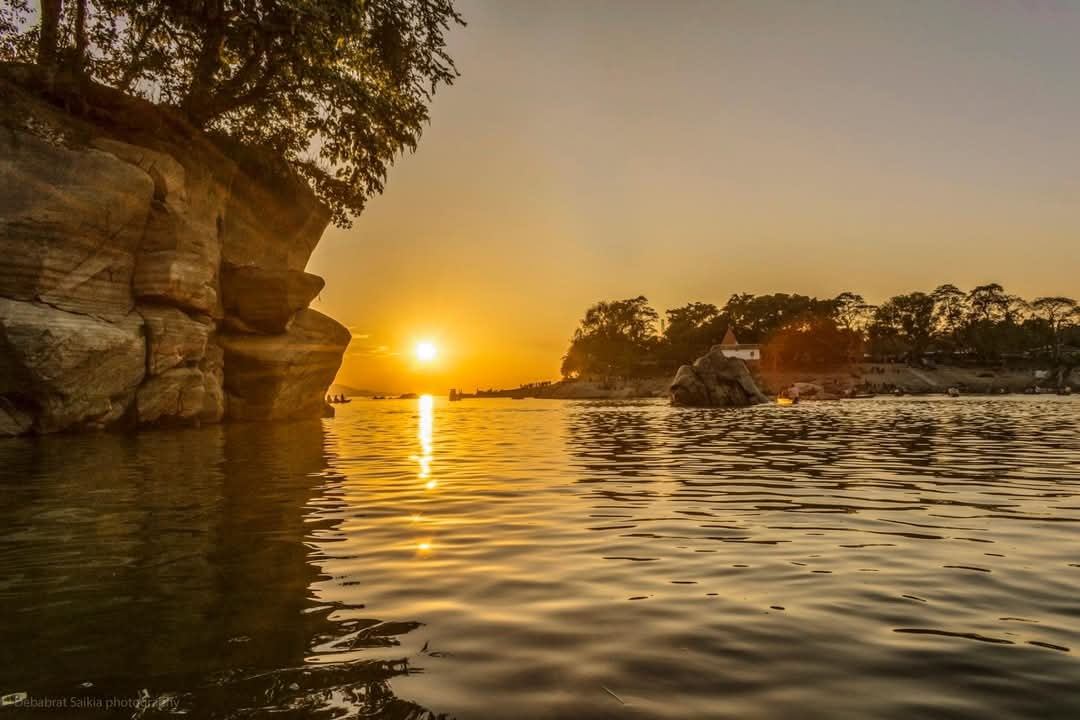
(731,347)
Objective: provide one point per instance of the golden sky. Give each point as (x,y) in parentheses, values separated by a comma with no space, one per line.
(689,150)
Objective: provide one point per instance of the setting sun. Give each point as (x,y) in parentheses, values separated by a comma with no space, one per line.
(426,351)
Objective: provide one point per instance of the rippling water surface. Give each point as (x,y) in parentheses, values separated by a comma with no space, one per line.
(543,559)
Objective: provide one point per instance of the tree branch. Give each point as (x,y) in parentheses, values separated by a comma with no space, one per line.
(134,67)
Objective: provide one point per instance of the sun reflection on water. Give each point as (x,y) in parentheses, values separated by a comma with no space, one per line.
(427,423)
(426,406)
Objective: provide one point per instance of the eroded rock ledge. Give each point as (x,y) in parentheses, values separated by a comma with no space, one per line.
(149,279)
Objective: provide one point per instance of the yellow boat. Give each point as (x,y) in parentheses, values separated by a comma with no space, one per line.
(785,401)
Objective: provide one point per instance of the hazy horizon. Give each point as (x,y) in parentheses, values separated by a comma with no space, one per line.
(694,150)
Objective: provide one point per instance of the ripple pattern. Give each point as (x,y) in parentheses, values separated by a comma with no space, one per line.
(544,559)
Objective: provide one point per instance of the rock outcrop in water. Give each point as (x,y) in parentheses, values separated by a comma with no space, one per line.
(715,380)
(149,278)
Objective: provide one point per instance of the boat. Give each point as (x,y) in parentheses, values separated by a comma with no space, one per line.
(786,401)
(1064,390)
(953,392)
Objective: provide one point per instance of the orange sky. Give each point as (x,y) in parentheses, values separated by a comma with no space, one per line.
(689,150)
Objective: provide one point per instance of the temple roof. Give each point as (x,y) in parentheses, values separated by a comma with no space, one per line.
(729,339)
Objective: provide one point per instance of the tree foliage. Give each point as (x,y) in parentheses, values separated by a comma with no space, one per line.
(1057,313)
(984,325)
(614,339)
(904,324)
(335,88)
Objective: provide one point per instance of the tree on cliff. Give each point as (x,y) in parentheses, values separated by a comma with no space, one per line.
(335,88)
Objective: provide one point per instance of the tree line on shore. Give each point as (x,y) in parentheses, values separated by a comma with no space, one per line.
(986,325)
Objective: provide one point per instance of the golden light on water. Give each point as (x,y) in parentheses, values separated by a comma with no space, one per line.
(427,421)
(426,408)
(426,351)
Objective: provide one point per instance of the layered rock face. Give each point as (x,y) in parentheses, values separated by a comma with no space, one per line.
(715,380)
(151,280)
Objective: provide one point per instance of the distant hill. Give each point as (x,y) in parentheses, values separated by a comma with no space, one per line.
(347,391)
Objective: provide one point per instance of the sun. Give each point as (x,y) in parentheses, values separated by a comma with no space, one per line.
(426,351)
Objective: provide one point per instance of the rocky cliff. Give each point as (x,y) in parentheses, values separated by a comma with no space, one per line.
(149,278)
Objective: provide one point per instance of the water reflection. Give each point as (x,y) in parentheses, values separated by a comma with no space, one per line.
(576,559)
(941,523)
(178,567)
(426,407)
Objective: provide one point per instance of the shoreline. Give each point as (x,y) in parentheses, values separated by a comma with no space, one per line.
(879,379)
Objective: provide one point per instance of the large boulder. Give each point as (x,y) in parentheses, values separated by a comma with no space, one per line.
(67,370)
(266,300)
(71,221)
(278,377)
(715,380)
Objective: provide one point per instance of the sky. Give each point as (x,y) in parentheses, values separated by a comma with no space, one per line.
(686,151)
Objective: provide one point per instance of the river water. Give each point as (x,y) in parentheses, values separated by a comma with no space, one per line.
(886,558)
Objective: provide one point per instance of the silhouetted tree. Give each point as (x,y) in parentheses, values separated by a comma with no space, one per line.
(616,338)
(903,325)
(950,314)
(852,311)
(993,324)
(689,332)
(815,340)
(986,324)
(756,317)
(1057,312)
